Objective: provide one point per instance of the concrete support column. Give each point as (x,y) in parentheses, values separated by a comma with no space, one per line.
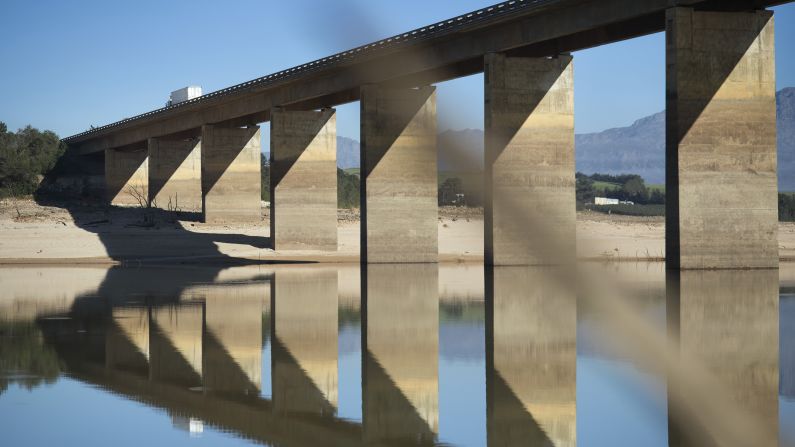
(530,210)
(175,182)
(399,210)
(304,180)
(127,176)
(721,191)
(231,166)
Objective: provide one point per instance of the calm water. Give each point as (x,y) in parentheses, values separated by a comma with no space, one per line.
(394,355)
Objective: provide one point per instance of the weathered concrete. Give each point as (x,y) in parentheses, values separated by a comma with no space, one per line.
(127,176)
(231,169)
(304,180)
(531,358)
(398,175)
(305,341)
(726,324)
(530,211)
(400,376)
(175,182)
(721,201)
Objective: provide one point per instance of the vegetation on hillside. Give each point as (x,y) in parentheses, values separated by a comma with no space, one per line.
(25,157)
(347,190)
(786,207)
(624,187)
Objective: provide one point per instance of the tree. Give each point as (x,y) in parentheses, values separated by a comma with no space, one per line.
(635,190)
(449,190)
(347,190)
(25,157)
(584,188)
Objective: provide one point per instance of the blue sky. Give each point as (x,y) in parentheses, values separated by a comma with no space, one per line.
(69,65)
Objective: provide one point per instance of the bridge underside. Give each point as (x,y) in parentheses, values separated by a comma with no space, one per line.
(720,138)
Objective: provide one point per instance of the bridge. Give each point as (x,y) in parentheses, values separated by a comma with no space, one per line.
(721,187)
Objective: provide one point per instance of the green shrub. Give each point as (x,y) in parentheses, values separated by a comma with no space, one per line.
(630,210)
(25,157)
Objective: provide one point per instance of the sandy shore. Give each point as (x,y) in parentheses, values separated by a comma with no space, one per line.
(80,233)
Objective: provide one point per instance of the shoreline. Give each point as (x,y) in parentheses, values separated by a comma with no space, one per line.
(73,233)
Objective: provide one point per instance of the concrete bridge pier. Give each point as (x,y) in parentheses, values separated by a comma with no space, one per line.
(127,176)
(721,190)
(530,211)
(231,166)
(175,174)
(399,210)
(304,180)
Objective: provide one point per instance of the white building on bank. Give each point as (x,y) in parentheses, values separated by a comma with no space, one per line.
(604,201)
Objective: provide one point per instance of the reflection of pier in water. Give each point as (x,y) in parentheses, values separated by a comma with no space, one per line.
(200,355)
(400,377)
(531,350)
(195,348)
(726,324)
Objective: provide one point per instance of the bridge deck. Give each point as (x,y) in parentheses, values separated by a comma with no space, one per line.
(444,50)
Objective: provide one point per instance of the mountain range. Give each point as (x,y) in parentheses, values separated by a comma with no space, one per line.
(636,149)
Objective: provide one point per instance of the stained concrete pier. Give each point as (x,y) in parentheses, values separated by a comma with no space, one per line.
(231,170)
(398,175)
(127,176)
(175,182)
(530,211)
(721,190)
(304,180)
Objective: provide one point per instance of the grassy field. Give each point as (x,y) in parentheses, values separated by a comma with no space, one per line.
(656,187)
(600,187)
(630,210)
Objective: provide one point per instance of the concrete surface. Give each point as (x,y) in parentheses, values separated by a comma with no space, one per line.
(304,180)
(721,197)
(530,211)
(231,173)
(127,176)
(398,175)
(175,182)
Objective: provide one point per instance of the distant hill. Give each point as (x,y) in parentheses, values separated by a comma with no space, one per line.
(637,149)
(347,153)
(785,101)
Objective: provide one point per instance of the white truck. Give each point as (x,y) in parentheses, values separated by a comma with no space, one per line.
(184,94)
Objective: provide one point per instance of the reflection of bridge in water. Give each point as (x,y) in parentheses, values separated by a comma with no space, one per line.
(196,349)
